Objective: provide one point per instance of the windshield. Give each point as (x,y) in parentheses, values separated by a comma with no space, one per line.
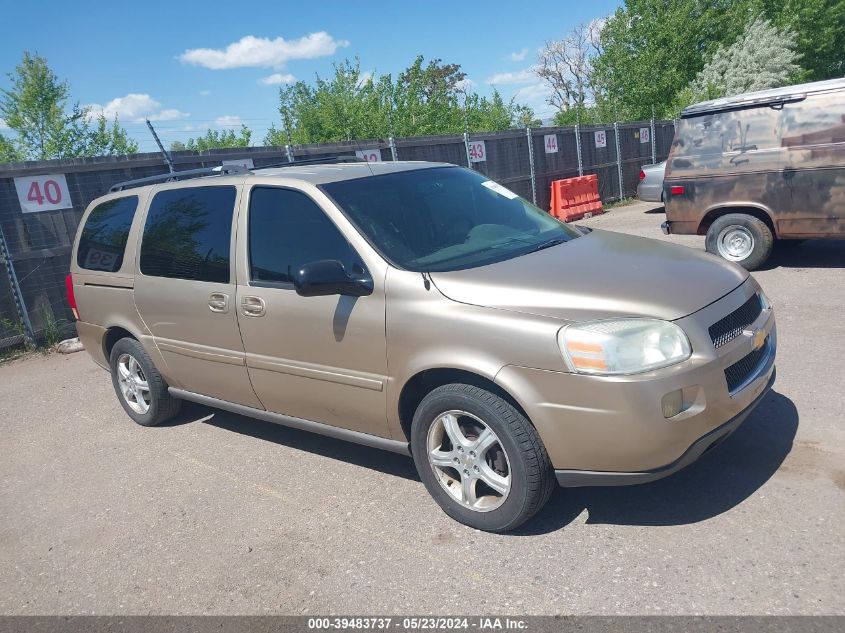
(445,218)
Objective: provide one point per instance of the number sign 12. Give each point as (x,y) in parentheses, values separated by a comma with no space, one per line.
(43,193)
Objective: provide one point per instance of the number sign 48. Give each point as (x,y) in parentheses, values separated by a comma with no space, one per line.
(43,193)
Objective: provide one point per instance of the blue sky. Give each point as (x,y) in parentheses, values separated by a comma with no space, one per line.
(190,65)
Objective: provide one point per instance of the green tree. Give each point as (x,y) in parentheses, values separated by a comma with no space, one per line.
(215,139)
(762,57)
(651,49)
(8,151)
(819,27)
(109,141)
(424,99)
(177,146)
(36,108)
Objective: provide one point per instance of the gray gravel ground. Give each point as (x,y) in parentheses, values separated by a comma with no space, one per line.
(221,514)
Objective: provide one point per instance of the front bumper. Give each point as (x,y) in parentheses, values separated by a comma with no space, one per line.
(603,430)
(578,478)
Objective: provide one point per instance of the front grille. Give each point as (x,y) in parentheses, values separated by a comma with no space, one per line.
(737,373)
(727,329)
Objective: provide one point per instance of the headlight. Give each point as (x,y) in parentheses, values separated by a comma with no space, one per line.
(626,346)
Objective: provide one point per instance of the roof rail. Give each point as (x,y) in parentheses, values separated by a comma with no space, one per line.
(316,161)
(180,175)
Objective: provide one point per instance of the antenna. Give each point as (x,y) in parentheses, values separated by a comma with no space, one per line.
(161,147)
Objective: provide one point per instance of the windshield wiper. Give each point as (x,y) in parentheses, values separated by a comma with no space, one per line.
(547,244)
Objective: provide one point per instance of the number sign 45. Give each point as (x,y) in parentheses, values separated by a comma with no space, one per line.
(43,193)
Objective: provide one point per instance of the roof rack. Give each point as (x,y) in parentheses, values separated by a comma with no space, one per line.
(316,161)
(225,169)
(180,175)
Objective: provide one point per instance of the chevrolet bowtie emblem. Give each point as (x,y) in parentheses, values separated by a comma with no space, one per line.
(759,338)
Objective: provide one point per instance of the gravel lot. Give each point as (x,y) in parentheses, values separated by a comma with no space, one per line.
(220,514)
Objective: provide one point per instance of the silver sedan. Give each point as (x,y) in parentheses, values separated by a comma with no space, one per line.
(650,188)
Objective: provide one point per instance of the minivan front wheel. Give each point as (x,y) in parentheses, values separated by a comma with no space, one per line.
(140,388)
(480,458)
(740,238)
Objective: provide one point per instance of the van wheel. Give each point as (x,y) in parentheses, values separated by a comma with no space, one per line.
(740,238)
(139,387)
(480,458)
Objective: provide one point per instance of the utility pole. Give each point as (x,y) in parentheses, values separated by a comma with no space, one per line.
(161,147)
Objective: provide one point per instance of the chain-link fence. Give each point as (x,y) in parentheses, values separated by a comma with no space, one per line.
(41,202)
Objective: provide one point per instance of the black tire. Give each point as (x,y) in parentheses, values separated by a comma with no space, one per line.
(759,231)
(162,406)
(528,466)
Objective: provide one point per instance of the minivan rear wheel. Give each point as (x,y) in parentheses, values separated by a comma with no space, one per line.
(480,458)
(140,388)
(740,238)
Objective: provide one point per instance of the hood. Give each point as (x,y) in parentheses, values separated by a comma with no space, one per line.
(596,276)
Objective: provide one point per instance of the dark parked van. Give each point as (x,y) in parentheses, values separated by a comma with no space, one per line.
(751,170)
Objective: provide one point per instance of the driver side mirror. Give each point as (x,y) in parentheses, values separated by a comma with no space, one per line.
(329,277)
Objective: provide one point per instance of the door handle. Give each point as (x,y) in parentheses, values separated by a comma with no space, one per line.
(253,306)
(218,302)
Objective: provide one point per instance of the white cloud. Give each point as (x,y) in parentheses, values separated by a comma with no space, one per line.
(3,125)
(277,78)
(518,56)
(136,107)
(524,76)
(205,93)
(363,78)
(465,84)
(535,97)
(228,120)
(262,52)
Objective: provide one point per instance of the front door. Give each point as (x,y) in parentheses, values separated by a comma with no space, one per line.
(812,202)
(317,358)
(185,291)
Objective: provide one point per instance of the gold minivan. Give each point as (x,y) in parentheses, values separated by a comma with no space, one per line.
(758,170)
(424,309)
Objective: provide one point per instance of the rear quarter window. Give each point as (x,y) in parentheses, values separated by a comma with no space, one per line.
(187,234)
(102,244)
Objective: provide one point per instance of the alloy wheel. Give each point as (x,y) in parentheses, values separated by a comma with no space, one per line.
(469,461)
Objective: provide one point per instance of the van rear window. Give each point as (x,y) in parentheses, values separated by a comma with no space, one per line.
(188,233)
(103,240)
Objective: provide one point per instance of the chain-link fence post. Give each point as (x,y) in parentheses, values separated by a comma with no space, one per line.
(20,304)
(578,149)
(653,146)
(531,165)
(392,142)
(618,159)
(466,147)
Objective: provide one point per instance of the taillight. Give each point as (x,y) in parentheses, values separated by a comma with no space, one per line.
(71,299)
(642,175)
(677,190)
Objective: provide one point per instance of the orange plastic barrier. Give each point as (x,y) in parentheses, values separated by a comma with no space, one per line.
(575,198)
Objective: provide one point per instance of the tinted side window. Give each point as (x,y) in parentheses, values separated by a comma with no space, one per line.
(103,240)
(288,229)
(187,234)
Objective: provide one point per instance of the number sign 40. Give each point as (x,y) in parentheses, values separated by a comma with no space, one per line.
(43,193)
